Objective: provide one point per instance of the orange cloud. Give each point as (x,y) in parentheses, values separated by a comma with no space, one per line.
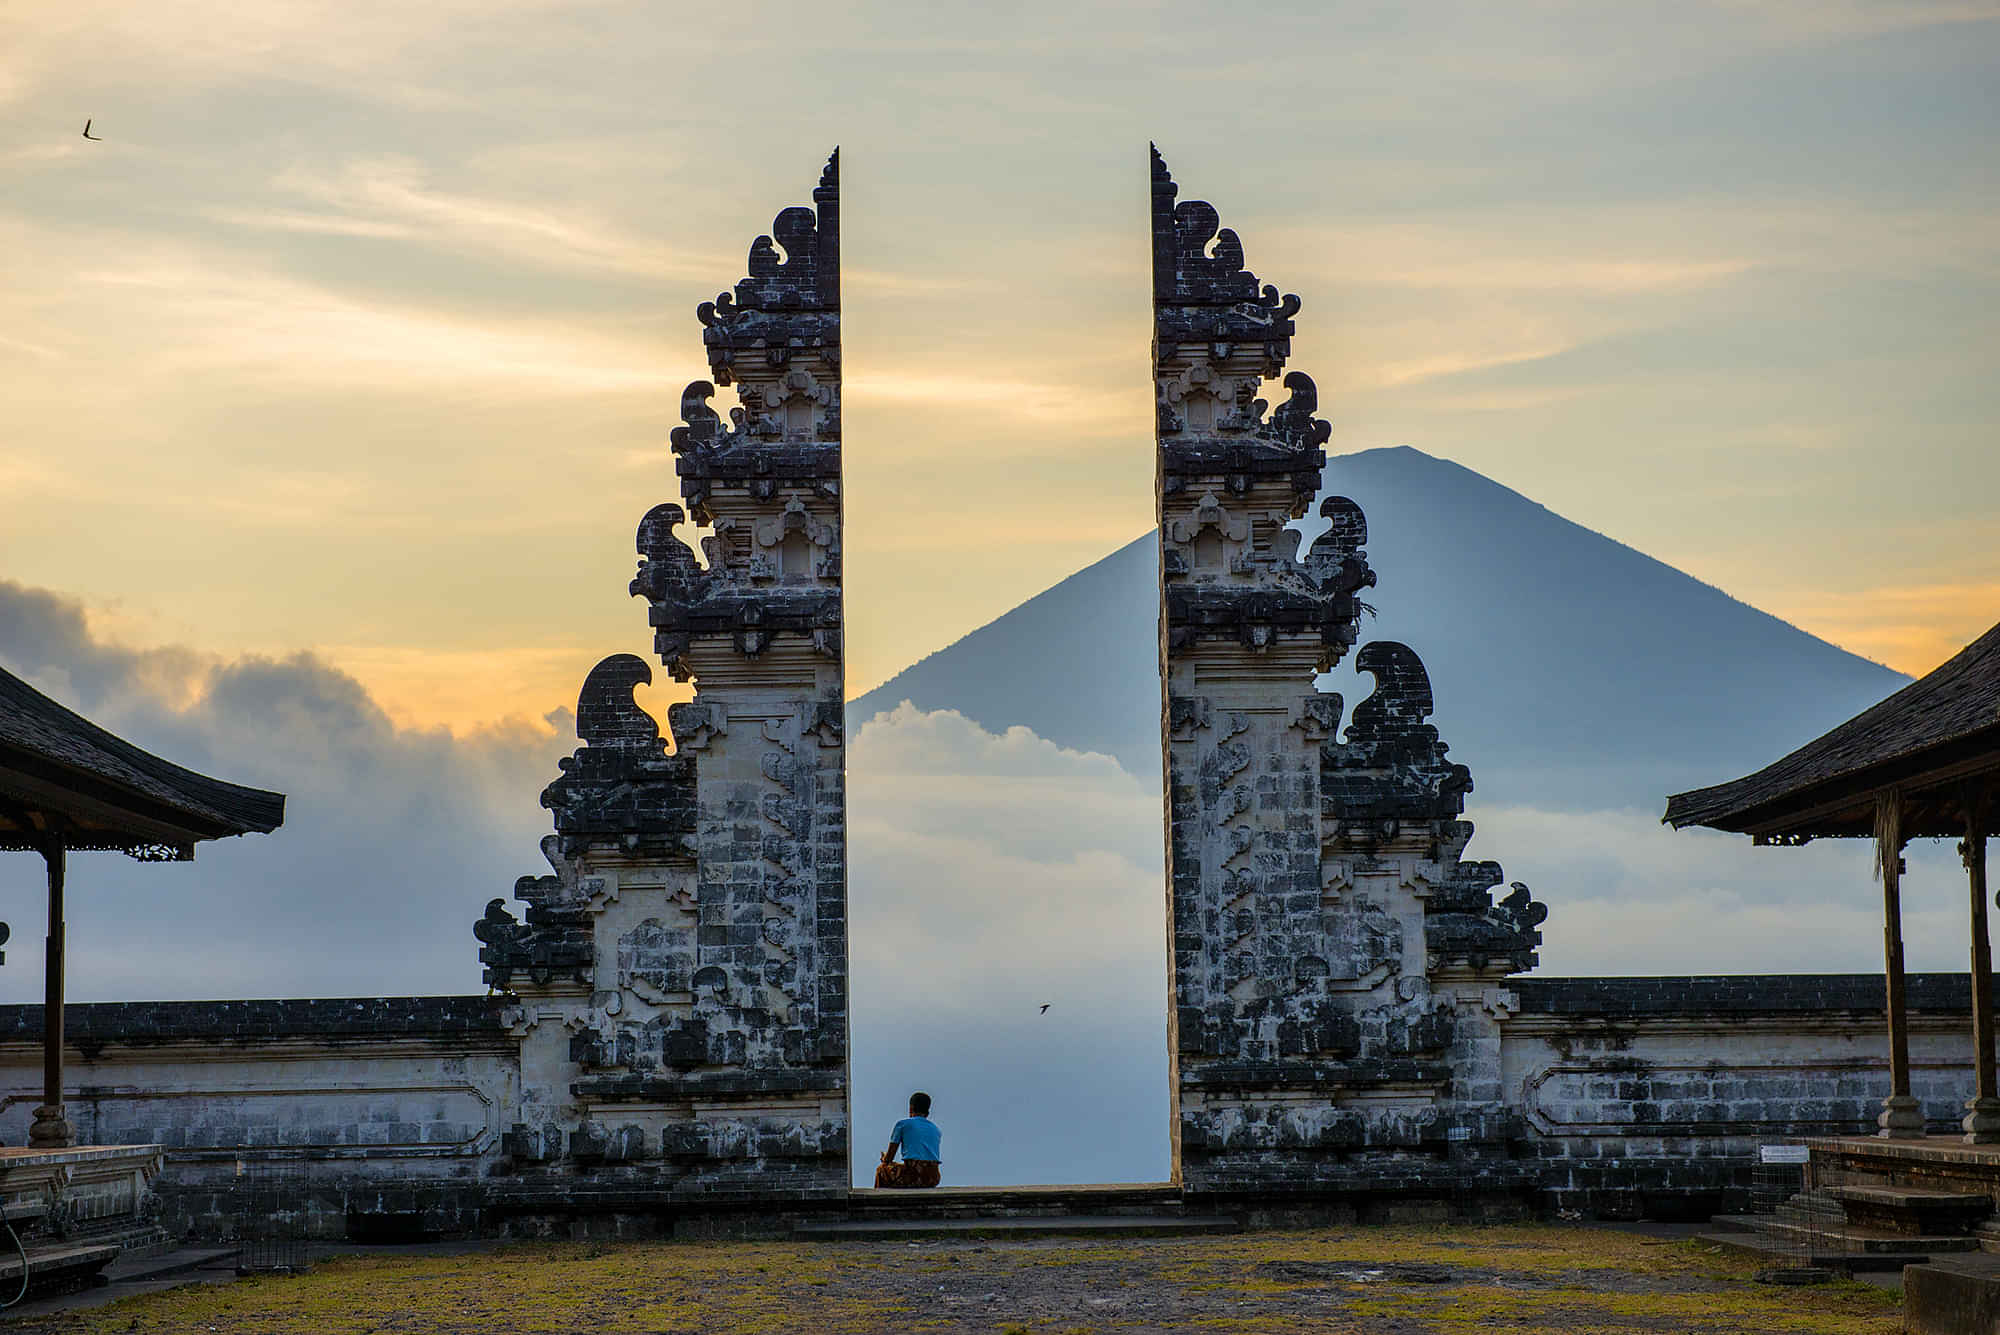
(468,690)
(1911,627)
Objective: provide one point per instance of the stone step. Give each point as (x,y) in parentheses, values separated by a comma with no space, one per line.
(1886,1241)
(1853,1238)
(1912,1197)
(1738,1223)
(50,1260)
(1829,1217)
(1764,1248)
(132,1238)
(1911,1210)
(1810,1205)
(145,1267)
(1033,1226)
(1150,1198)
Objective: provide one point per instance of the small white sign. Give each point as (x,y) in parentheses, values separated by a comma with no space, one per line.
(1783,1154)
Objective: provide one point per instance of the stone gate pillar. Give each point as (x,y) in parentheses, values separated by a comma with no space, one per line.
(681,978)
(1335,967)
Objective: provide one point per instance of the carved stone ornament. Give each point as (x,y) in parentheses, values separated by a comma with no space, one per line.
(690,950)
(1314,878)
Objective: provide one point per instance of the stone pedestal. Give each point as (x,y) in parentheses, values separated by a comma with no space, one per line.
(1901,1118)
(52,1129)
(1982,1121)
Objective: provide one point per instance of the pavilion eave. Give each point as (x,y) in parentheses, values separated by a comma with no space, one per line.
(40,804)
(1932,782)
(1924,763)
(68,785)
(1939,731)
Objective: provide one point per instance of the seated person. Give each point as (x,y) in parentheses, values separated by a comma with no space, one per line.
(918,1137)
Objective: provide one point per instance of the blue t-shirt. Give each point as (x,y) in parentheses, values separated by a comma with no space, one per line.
(919,1137)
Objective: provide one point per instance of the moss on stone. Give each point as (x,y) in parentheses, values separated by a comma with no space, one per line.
(1517,1280)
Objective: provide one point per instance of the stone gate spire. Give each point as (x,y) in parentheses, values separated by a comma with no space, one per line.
(682,977)
(1335,967)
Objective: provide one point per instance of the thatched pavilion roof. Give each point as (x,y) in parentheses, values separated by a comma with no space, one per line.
(62,777)
(1927,739)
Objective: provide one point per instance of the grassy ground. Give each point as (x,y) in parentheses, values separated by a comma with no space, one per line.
(1406,1281)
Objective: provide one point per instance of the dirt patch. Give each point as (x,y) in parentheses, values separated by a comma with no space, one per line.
(1362,1272)
(1512,1280)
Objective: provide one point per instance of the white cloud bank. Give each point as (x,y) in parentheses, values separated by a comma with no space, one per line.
(988,875)
(1628,895)
(393,840)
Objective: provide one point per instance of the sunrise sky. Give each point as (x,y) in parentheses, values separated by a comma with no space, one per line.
(363,330)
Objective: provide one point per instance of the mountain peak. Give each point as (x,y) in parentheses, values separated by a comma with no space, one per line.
(1568,667)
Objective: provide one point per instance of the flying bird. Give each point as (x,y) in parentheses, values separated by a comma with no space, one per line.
(1045,1007)
(96,138)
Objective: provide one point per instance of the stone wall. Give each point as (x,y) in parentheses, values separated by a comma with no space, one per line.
(1636,1097)
(1649,1096)
(391,1112)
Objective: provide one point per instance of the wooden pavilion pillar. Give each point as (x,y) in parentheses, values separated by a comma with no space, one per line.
(51,1129)
(1902,1117)
(1982,1112)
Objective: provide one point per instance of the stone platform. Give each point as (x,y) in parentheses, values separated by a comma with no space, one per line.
(1796,1239)
(1939,1193)
(1017,1226)
(1914,1211)
(569,1207)
(1957,1295)
(1141,1209)
(86,1191)
(1026,1202)
(1873,1203)
(1926,1171)
(73,1211)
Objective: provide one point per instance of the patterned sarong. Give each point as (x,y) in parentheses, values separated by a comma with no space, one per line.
(911,1173)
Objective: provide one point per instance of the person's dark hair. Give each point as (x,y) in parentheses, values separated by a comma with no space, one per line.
(920,1105)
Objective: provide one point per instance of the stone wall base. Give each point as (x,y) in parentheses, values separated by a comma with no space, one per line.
(569,1209)
(330,1209)
(1502,1198)
(1951,1297)
(351,1208)
(1653,1187)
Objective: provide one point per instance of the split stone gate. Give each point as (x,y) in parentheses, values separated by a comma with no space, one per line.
(667,1045)
(678,984)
